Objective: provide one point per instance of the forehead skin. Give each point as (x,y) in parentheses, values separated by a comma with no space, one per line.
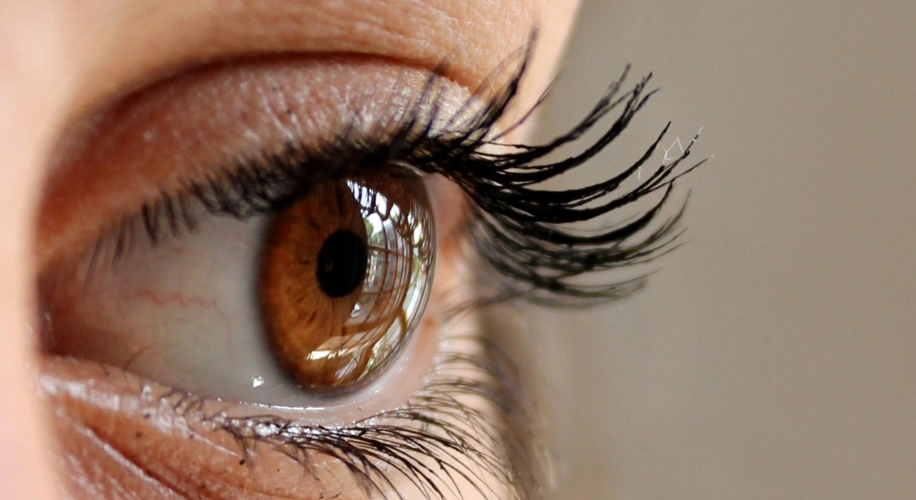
(61,58)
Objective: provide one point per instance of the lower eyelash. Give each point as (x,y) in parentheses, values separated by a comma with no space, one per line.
(434,442)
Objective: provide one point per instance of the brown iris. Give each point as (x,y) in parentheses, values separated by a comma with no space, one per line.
(345,276)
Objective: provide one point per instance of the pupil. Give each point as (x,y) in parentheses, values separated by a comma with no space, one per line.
(341,263)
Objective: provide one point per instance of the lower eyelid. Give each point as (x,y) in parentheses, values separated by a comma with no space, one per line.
(132,433)
(131,436)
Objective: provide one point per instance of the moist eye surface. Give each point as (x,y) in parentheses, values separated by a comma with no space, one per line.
(316,299)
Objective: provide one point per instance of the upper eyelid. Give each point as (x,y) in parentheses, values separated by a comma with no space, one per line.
(110,159)
(512,214)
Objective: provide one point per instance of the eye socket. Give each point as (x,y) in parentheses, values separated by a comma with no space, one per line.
(185,313)
(346,273)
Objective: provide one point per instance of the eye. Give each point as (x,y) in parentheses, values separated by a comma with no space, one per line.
(247,254)
(330,287)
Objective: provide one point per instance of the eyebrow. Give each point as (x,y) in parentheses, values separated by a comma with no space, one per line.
(139,41)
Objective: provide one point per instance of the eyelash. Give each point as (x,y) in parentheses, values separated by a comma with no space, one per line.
(514,228)
(498,441)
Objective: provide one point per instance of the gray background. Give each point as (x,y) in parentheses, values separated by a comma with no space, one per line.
(774,355)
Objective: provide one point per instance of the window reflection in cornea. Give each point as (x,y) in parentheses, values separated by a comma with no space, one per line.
(463,412)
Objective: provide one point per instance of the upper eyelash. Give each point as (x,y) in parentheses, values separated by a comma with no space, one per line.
(519,230)
(514,227)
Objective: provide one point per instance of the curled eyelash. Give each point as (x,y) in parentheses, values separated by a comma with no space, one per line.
(527,233)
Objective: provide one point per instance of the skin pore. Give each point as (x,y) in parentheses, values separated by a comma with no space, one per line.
(62,61)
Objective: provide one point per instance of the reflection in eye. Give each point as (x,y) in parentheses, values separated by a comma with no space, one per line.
(346,275)
(314,263)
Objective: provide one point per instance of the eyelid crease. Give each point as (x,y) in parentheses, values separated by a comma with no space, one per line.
(416,33)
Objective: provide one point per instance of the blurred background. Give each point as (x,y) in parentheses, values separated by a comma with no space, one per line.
(773,355)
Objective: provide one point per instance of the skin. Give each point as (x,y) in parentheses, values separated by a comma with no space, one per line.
(62,60)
